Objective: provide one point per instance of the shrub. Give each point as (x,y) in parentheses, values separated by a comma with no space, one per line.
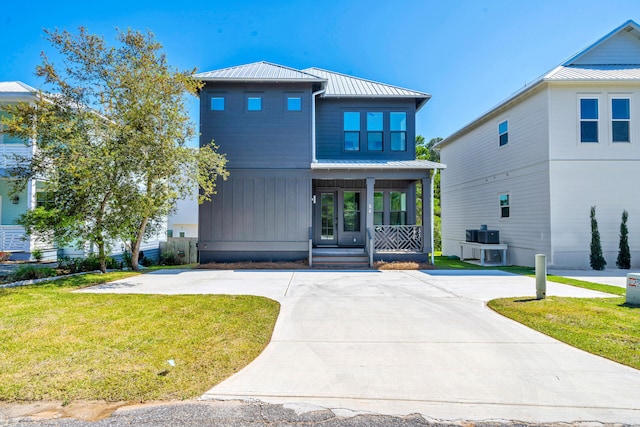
(596,258)
(624,254)
(30,272)
(37,254)
(90,263)
(126,259)
(147,262)
(168,258)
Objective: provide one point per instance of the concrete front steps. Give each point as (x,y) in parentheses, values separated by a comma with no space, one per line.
(340,258)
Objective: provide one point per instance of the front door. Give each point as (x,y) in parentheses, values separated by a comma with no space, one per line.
(328,219)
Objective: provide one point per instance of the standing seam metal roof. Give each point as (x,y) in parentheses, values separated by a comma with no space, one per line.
(258,71)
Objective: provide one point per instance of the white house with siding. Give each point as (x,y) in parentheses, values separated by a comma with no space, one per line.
(533,166)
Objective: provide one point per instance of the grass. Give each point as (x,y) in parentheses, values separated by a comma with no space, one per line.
(602,326)
(65,346)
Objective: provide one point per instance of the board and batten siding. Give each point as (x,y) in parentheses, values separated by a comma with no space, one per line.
(602,174)
(330,131)
(479,170)
(272,138)
(258,215)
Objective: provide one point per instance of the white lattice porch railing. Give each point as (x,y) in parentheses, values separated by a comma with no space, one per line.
(398,238)
(12,239)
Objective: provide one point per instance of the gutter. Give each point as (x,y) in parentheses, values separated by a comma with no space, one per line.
(313,124)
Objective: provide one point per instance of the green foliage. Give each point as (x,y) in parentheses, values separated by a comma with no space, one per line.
(426,151)
(624,254)
(169,258)
(126,259)
(596,258)
(37,254)
(30,272)
(111,143)
(90,263)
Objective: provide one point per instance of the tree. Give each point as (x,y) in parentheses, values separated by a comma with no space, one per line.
(111,142)
(597,260)
(624,254)
(426,151)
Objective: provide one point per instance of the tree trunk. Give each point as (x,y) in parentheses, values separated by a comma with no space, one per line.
(102,256)
(135,245)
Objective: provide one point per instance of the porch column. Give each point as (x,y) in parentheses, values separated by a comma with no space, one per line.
(427,216)
(369,215)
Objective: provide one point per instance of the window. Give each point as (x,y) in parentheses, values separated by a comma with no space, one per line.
(5,138)
(169,233)
(254,103)
(294,103)
(504,206)
(620,120)
(182,234)
(378,208)
(398,212)
(503,131)
(351,213)
(217,103)
(374,131)
(398,122)
(588,120)
(351,131)
(44,199)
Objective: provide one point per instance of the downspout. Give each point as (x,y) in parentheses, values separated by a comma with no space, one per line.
(433,181)
(313,124)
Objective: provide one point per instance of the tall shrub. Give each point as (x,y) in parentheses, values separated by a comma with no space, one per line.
(596,259)
(624,254)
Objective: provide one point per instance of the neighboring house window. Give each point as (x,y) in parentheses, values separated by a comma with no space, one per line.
(374,131)
(504,206)
(294,103)
(254,103)
(588,120)
(169,233)
(398,211)
(5,138)
(620,120)
(44,199)
(398,122)
(351,131)
(351,211)
(217,103)
(378,208)
(503,131)
(182,234)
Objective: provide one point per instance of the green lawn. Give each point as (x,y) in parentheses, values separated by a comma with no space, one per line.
(602,326)
(59,345)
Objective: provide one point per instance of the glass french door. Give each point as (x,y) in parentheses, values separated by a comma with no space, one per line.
(328,219)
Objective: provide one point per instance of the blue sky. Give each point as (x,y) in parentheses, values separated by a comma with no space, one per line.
(469,55)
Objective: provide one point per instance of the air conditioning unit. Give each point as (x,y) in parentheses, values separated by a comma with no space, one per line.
(472,235)
(489,236)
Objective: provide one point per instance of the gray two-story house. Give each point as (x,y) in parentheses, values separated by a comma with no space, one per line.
(320,164)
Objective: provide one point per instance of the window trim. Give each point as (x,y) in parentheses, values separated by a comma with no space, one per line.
(595,97)
(400,131)
(501,207)
(224,103)
(376,131)
(250,96)
(346,131)
(626,97)
(505,133)
(287,97)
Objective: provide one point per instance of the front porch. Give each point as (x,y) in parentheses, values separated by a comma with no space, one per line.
(374,207)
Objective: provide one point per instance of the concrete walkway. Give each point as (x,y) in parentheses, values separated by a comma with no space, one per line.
(609,276)
(410,342)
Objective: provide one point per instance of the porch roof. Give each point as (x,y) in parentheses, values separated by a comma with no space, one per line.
(329,164)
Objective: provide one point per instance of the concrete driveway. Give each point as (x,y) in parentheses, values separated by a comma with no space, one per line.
(406,342)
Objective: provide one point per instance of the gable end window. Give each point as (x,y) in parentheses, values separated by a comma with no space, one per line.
(620,118)
(294,103)
(217,103)
(254,103)
(398,124)
(503,132)
(351,128)
(504,206)
(589,120)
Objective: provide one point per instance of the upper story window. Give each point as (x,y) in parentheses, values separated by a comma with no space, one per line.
(374,131)
(5,138)
(398,125)
(294,103)
(588,119)
(351,131)
(620,117)
(254,103)
(217,103)
(504,205)
(503,132)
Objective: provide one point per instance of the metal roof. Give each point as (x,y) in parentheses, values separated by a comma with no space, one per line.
(595,72)
(260,71)
(16,87)
(343,85)
(376,164)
